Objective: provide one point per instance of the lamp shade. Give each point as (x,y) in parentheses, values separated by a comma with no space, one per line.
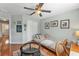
(77,34)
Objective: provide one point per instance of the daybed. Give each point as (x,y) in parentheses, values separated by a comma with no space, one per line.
(50,44)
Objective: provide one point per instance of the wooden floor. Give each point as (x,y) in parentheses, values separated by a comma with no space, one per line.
(14,47)
(8,49)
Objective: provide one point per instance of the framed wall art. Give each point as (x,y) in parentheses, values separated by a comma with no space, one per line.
(47,25)
(18,28)
(24,27)
(65,24)
(54,23)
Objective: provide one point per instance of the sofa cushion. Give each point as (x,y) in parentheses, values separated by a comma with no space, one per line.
(37,40)
(48,43)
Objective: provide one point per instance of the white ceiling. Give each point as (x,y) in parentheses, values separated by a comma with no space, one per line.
(18,8)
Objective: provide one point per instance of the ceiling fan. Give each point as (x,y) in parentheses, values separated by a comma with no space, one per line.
(38,9)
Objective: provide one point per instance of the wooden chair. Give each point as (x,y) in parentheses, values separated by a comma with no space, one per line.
(65,43)
(61,49)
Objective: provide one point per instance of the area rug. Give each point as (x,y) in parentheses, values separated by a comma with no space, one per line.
(18,53)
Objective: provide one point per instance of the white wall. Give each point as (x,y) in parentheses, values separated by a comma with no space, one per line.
(26,35)
(55,33)
(16,38)
(4,15)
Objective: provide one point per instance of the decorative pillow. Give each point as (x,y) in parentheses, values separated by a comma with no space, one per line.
(42,37)
(37,39)
(37,36)
(46,36)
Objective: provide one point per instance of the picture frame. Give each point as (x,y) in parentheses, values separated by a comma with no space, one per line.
(54,23)
(25,27)
(47,25)
(18,28)
(65,24)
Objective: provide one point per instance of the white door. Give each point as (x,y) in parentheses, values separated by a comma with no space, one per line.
(32,28)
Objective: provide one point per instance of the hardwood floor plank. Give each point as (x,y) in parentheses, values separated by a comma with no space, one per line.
(13,47)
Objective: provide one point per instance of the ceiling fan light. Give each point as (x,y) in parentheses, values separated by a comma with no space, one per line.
(38,12)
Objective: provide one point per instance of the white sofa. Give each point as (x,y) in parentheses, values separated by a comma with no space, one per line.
(44,41)
(48,43)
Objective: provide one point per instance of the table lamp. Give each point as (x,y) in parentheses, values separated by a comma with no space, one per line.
(77,35)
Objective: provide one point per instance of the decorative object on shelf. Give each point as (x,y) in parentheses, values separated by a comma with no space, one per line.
(24,27)
(54,23)
(77,36)
(47,25)
(19,28)
(65,24)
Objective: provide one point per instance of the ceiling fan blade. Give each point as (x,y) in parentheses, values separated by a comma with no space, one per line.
(41,4)
(48,11)
(40,15)
(29,8)
(32,13)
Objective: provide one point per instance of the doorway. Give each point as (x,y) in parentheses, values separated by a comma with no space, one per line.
(4,38)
